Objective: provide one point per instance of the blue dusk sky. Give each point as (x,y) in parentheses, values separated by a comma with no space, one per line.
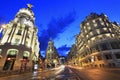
(59,19)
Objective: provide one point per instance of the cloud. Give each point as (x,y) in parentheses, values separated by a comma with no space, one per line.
(64,48)
(55,27)
(58,26)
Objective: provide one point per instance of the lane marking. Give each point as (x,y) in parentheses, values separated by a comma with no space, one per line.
(70,71)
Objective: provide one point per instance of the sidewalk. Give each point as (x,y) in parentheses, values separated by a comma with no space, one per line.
(9,73)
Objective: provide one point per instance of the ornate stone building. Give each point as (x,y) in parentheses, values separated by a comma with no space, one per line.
(98,43)
(52,57)
(72,55)
(19,46)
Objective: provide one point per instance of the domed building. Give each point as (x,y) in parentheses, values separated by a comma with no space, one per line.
(19,46)
(52,57)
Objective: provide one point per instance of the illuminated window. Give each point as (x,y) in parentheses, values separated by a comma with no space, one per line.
(98,31)
(113,35)
(85,31)
(110,30)
(105,29)
(100,19)
(84,27)
(88,23)
(91,33)
(93,38)
(26,54)
(93,21)
(88,41)
(102,23)
(95,25)
(107,24)
(89,27)
(87,36)
(108,35)
(12,52)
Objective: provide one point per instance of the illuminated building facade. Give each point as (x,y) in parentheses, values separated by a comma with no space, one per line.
(72,55)
(52,57)
(19,46)
(98,43)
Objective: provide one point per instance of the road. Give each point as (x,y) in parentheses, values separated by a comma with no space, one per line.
(68,73)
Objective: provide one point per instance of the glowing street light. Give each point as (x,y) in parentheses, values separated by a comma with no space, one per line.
(8,58)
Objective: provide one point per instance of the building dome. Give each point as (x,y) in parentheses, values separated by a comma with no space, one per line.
(25,16)
(19,46)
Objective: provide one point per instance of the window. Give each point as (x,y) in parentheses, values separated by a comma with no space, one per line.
(19,32)
(113,35)
(17,41)
(107,24)
(102,23)
(98,23)
(88,27)
(97,48)
(93,21)
(85,31)
(91,33)
(27,35)
(104,29)
(100,19)
(93,38)
(99,57)
(110,30)
(87,36)
(98,31)
(26,43)
(26,54)
(12,52)
(108,56)
(104,46)
(117,55)
(115,45)
(95,25)
(88,23)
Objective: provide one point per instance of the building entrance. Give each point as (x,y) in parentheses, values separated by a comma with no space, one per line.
(9,63)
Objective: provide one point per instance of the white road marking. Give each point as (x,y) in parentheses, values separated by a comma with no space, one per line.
(70,71)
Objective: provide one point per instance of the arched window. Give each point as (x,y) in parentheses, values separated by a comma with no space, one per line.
(12,52)
(26,54)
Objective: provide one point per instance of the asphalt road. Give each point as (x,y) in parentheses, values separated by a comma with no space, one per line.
(68,73)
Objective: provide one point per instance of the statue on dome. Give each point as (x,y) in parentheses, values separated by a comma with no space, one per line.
(29,6)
